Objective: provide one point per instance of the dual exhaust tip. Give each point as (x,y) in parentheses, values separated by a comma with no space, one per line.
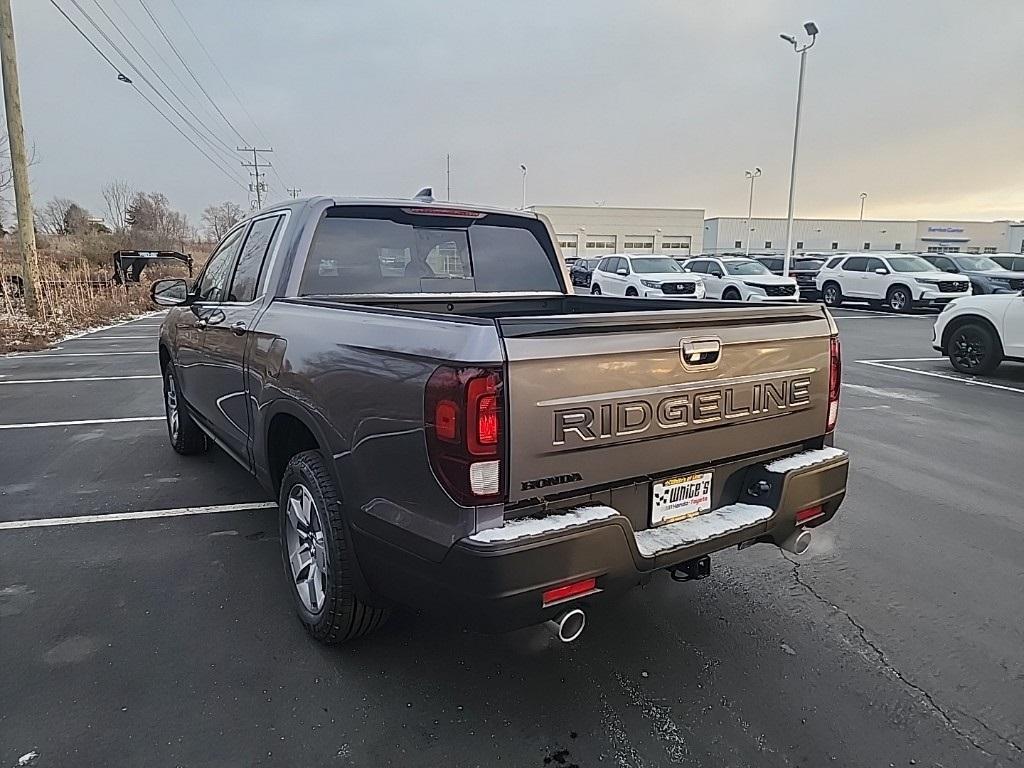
(568,626)
(798,542)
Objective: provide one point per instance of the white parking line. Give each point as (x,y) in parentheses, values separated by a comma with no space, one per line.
(108,338)
(883,317)
(79,422)
(80,378)
(949,377)
(44,356)
(49,522)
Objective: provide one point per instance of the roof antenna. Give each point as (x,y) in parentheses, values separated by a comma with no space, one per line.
(426,195)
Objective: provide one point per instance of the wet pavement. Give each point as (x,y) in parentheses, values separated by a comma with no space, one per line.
(171,640)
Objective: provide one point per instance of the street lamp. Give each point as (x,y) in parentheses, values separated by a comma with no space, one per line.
(523,169)
(811,29)
(863,197)
(750,205)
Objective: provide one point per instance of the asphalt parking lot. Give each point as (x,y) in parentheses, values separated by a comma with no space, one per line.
(157,630)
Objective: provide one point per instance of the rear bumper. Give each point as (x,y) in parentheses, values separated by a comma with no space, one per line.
(498,586)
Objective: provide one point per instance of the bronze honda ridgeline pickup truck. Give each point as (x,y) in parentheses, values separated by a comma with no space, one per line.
(446,426)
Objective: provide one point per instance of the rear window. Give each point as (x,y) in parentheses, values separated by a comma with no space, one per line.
(383,250)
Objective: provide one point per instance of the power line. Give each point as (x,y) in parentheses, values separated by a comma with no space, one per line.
(124,79)
(138,53)
(186,86)
(145,79)
(188,69)
(220,72)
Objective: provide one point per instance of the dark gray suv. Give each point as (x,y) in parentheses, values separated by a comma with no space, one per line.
(986,275)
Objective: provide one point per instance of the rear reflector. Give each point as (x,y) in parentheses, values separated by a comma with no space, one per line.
(810,513)
(575,589)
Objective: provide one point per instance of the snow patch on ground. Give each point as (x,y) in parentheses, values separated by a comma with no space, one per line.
(535,526)
(805,459)
(701,528)
(27,758)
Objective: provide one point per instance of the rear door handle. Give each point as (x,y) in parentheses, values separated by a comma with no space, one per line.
(238,328)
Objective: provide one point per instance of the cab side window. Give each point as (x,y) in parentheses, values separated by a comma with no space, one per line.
(213,285)
(855,264)
(874,264)
(252,261)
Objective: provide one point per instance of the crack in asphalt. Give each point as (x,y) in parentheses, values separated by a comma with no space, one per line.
(888,666)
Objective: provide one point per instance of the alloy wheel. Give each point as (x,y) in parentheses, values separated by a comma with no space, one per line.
(173,418)
(969,349)
(307,548)
(830,294)
(898,301)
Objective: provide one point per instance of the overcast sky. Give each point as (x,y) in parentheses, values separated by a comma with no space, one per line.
(919,103)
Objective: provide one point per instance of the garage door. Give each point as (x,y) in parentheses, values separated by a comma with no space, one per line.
(639,244)
(675,246)
(567,243)
(600,245)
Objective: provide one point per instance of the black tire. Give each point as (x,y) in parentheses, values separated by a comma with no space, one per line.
(831,294)
(899,299)
(632,292)
(731,294)
(973,348)
(341,616)
(595,290)
(185,435)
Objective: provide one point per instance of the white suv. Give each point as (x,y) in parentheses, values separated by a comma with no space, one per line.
(742,279)
(900,281)
(650,277)
(979,332)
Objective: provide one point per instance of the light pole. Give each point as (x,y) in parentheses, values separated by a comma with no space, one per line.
(811,29)
(523,169)
(750,205)
(863,197)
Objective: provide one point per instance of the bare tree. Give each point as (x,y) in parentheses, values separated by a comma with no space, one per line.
(218,219)
(154,224)
(52,218)
(118,195)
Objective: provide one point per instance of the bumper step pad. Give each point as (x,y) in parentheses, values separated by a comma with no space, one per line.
(654,541)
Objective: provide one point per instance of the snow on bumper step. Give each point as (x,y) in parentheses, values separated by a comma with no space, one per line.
(531,526)
(803,460)
(728,519)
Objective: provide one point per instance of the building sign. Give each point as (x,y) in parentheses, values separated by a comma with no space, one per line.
(945,229)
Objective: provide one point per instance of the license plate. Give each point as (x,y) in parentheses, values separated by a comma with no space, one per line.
(677,498)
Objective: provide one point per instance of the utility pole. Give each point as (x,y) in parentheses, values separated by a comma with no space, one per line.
(294,191)
(259,187)
(448,174)
(863,197)
(19,158)
(525,171)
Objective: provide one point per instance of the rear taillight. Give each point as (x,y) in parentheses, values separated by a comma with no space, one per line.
(811,513)
(464,412)
(835,371)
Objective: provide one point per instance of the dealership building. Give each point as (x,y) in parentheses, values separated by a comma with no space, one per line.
(597,230)
(725,234)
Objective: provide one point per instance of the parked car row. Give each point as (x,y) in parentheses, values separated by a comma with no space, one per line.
(900,281)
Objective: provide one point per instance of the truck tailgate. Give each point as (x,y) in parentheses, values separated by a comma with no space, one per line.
(598,398)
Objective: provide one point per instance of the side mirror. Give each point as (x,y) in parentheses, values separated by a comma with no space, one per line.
(716,273)
(687,269)
(881,271)
(170,292)
(953,270)
(622,271)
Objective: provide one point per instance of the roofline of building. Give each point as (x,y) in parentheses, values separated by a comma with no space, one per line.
(868,221)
